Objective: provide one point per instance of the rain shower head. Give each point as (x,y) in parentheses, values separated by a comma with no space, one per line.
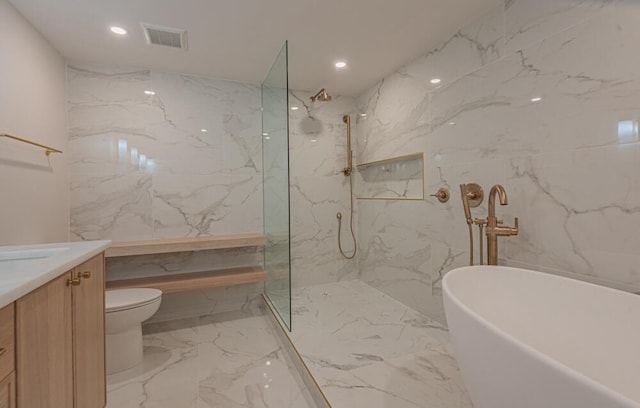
(322,96)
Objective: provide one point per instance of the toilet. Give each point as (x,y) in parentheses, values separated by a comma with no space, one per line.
(126,309)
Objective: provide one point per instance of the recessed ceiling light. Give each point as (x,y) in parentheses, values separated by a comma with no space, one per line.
(314,140)
(149,92)
(452,123)
(203,130)
(364,115)
(436,81)
(536,99)
(118,30)
(265,134)
(294,108)
(341,64)
(268,137)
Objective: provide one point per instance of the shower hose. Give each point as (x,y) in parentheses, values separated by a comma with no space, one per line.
(339,216)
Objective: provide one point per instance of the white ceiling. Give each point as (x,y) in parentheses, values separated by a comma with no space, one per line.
(239,39)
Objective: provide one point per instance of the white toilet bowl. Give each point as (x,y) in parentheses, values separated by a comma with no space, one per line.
(126,309)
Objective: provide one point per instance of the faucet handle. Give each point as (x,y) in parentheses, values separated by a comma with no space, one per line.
(516,228)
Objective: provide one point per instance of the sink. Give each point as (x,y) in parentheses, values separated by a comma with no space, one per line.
(28,254)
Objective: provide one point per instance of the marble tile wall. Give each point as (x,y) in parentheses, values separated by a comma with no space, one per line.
(161,155)
(319,189)
(569,161)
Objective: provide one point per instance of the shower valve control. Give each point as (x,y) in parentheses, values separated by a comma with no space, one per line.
(442,195)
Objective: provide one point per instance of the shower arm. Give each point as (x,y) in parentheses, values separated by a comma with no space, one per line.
(347,170)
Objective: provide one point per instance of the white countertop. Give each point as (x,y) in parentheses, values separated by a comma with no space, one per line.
(19,277)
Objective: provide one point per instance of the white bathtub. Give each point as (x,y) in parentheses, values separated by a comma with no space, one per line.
(527,339)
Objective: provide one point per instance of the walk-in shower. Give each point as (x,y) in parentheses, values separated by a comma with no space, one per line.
(323,96)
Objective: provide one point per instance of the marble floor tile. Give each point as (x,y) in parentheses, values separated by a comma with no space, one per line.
(170,358)
(227,360)
(365,349)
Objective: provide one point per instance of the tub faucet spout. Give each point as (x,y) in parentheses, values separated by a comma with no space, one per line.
(493,230)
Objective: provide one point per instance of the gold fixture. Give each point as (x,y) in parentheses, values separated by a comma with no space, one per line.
(493,230)
(442,195)
(348,172)
(47,150)
(2,351)
(472,196)
(74,281)
(85,274)
(481,222)
(322,96)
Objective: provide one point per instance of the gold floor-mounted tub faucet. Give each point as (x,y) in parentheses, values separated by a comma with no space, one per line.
(493,230)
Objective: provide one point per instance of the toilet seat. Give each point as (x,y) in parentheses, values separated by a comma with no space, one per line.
(124,299)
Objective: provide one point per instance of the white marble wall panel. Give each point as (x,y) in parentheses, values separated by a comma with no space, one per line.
(394,118)
(471,47)
(584,96)
(201,143)
(568,161)
(111,205)
(194,205)
(161,155)
(591,202)
(529,22)
(319,190)
(395,113)
(395,252)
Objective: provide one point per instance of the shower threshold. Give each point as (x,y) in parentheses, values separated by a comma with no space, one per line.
(361,348)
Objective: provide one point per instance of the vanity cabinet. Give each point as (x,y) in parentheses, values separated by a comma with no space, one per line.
(7,358)
(8,392)
(44,346)
(60,341)
(88,335)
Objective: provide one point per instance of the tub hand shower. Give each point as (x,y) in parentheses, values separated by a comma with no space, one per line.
(472,196)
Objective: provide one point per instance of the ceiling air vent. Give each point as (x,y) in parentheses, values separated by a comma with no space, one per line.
(165,36)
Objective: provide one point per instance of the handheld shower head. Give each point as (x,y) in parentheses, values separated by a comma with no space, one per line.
(322,96)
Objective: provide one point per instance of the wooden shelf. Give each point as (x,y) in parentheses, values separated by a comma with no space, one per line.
(195,280)
(163,246)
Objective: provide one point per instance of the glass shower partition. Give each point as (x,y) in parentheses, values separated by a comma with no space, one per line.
(275,154)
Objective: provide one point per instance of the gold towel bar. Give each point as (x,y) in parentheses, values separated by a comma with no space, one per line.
(47,150)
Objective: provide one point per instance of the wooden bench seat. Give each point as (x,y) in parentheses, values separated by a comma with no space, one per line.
(194,280)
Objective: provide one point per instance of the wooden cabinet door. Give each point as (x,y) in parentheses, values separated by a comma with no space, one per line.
(7,340)
(43,347)
(8,392)
(89,335)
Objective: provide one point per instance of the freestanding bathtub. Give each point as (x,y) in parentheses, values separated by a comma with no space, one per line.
(527,339)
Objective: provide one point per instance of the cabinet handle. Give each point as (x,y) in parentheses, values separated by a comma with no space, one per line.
(2,351)
(73,281)
(85,274)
